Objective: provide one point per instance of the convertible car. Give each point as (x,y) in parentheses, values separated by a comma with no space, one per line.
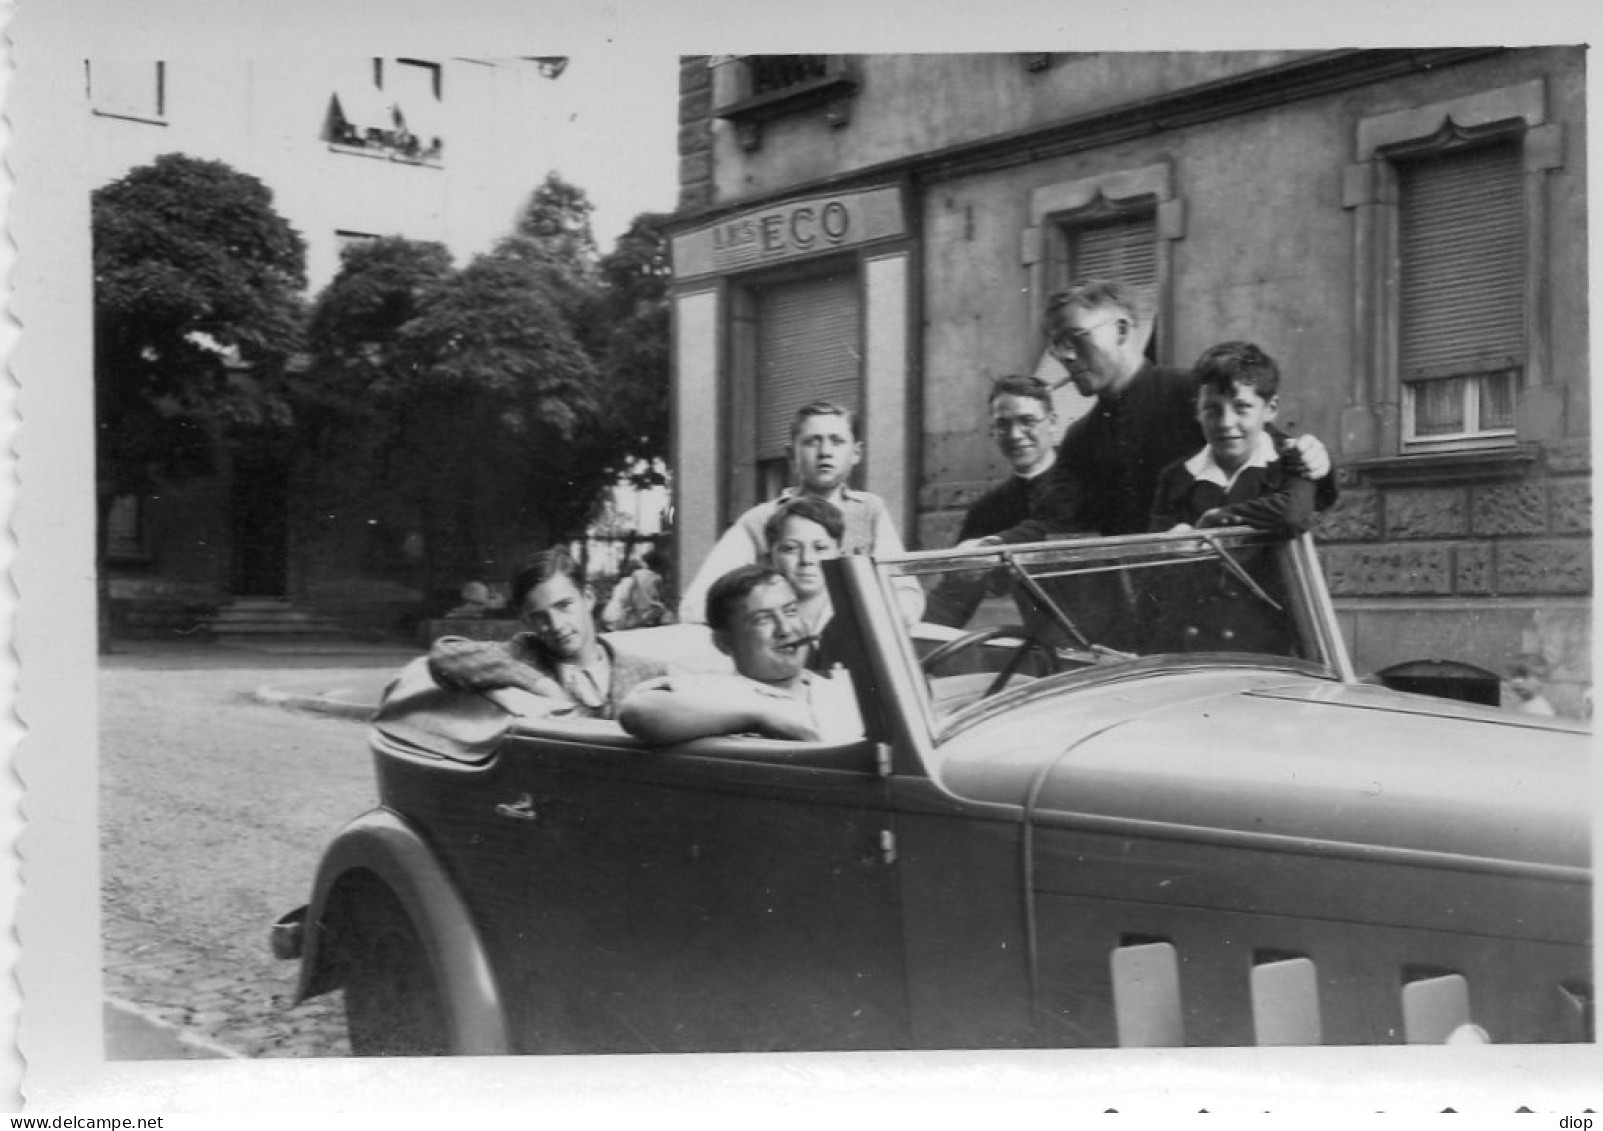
(1143,800)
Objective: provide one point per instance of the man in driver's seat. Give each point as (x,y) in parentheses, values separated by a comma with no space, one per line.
(757,621)
(559,657)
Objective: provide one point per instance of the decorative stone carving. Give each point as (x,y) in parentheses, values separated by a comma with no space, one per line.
(1572,506)
(1374,571)
(1354,518)
(1547,566)
(1426,514)
(1472,569)
(1510,508)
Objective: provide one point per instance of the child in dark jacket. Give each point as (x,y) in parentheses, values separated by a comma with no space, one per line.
(1247,474)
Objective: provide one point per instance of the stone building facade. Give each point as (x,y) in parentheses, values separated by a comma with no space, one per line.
(1404,230)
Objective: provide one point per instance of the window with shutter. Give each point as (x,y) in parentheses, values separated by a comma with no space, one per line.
(1121,248)
(808,349)
(1461,301)
(1124,250)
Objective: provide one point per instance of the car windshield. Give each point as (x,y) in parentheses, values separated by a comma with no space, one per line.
(1003,618)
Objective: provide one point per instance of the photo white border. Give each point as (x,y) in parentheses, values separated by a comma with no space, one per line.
(52,559)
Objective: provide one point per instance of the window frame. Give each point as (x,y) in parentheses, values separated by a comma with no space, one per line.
(1380,415)
(1057,209)
(155,115)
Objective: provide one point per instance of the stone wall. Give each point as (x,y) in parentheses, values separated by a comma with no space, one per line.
(1476,570)
(695,133)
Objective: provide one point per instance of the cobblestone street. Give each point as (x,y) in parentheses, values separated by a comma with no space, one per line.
(176,986)
(215,807)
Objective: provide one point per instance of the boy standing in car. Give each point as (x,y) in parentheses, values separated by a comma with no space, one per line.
(1239,477)
(824,448)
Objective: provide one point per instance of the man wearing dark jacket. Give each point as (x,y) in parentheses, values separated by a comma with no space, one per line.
(1144,419)
(1023,426)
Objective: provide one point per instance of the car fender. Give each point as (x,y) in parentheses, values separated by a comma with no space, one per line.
(380,847)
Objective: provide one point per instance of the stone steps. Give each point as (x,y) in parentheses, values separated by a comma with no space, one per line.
(266,618)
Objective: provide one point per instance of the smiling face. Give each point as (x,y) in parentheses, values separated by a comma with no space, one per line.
(766,637)
(823,453)
(1022,428)
(799,553)
(558,612)
(1232,422)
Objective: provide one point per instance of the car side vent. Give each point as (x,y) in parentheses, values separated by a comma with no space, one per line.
(1578,992)
(1285,999)
(1435,1004)
(1146,993)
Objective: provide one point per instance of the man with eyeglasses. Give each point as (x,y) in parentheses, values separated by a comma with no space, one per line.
(1107,466)
(1024,426)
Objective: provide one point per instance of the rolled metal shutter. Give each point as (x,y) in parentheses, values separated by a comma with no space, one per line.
(1462,256)
(1122,250)
(809,348)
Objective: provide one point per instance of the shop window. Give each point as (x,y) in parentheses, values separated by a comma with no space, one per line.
(127,88)
(1449,200)
(1461,299)
(808,348)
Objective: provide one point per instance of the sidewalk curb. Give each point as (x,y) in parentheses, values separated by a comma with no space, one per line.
(320,704)
(133,1032)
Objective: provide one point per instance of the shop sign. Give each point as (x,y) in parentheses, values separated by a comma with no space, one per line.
(796,229)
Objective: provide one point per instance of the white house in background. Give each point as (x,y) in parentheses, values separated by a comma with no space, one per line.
(430,149)
(353,148)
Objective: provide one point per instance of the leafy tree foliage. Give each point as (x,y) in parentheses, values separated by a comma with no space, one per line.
(197,282)
(634,356)
(197,310)
(494,404)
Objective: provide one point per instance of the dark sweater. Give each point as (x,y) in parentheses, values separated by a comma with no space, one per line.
(1009,503)
(1269,497)
(1109,461)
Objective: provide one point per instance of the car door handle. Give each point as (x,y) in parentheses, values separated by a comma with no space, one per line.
(520,810)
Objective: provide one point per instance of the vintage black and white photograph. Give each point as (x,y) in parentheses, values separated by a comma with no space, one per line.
(554,563)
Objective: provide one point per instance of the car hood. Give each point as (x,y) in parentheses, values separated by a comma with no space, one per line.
(1272,752)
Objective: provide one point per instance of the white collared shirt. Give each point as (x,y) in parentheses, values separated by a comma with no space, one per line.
(1204,468)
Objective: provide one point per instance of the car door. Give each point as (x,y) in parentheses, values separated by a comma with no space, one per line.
(727,894)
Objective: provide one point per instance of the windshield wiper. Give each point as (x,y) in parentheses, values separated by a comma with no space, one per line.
(1033,588)
(1241,574)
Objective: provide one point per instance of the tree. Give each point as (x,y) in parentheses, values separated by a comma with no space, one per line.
(449,401)
(496,403)
(196,291)
(634,360)
(497,358)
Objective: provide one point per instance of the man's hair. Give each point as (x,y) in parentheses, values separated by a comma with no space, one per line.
(811,507)
(541,567)
(1091,294)
(1016,385)
(1223,367)
(731,589)
(824,408)
(653,560)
